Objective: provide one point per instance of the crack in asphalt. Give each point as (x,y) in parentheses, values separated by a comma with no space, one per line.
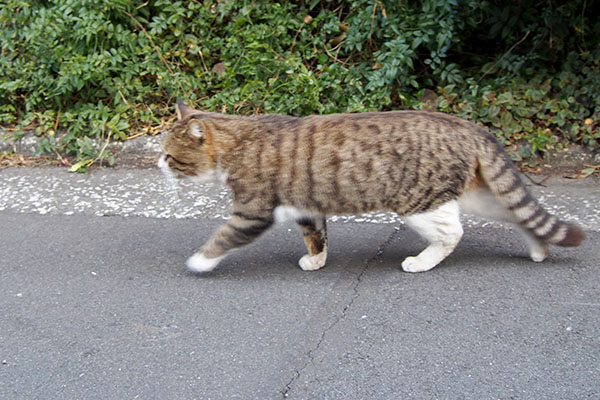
(310,353)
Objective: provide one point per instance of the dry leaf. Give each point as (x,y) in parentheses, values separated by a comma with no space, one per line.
(344,27)
(219,69)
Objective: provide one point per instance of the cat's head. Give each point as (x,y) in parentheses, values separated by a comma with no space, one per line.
(186,149)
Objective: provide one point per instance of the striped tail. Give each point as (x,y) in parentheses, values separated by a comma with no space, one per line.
(505,184)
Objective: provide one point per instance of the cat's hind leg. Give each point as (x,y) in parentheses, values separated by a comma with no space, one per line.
(482,203)
(442,229)
(314,232)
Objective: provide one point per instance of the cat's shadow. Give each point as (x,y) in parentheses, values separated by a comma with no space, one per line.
(266,259)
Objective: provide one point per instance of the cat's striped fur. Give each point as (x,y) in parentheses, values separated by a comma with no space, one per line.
(421,165)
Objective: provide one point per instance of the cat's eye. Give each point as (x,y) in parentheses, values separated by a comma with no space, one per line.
(168,156)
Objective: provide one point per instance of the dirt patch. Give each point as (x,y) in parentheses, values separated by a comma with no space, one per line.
(19,160)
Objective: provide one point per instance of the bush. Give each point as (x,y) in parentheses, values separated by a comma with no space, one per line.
(107,69)
(539,113)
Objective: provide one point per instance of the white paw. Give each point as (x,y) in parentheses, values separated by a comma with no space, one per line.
(199,263)
(312,263)
(539,254)
(413,264)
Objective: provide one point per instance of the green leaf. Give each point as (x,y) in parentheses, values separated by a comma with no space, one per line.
(80,166)
(493,110)
(506,119)
(527,125)
(587,172)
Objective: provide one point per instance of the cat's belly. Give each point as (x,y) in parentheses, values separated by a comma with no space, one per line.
(290,213)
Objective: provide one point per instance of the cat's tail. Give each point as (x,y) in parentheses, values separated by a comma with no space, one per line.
(503,180)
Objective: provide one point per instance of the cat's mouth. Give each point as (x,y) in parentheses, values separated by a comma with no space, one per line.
(172,179)
(162,163)
(169,173)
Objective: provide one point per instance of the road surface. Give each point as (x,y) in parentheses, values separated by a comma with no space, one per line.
(96,303)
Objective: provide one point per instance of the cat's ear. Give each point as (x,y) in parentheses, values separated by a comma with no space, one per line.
(183,110)
(196,129)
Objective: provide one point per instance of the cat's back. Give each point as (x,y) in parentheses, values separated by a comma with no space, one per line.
(422,139)
(388,125)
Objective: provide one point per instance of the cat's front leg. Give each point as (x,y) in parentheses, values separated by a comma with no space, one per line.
(314,231)
(241,229)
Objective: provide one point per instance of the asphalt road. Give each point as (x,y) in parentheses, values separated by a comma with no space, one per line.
(96,303)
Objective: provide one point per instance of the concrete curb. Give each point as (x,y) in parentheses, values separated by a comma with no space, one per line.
(140,147)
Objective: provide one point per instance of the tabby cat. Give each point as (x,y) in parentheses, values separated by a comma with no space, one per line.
(424,166)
